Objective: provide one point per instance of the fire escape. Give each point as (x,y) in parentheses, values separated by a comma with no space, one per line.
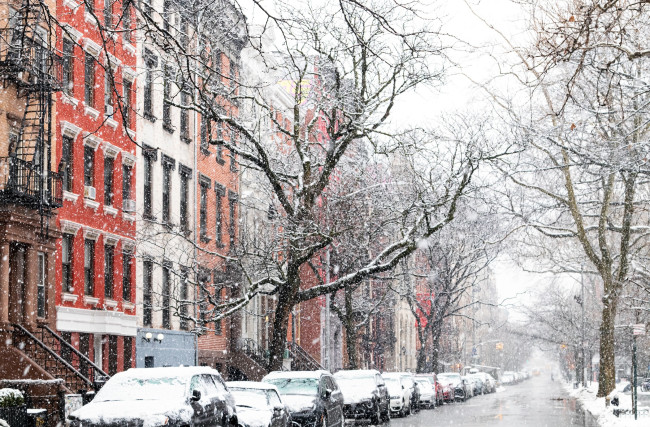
(31,72)
(29,63)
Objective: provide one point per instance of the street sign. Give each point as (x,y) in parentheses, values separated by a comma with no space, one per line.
(638,329)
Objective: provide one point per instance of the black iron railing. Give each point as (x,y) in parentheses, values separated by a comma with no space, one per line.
(23,182)
(29,61)
(301,360)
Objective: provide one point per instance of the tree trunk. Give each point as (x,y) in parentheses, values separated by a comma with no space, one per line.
(286,301)
(607,376)
(435,349)
(350,332)
(423,334)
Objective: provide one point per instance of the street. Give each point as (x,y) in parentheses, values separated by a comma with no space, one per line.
(537,402)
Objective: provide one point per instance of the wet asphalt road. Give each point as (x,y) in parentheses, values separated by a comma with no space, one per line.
(537,402)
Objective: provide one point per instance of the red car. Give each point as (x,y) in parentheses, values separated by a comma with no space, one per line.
(440,392)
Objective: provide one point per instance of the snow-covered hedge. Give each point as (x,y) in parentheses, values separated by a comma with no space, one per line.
(10,397)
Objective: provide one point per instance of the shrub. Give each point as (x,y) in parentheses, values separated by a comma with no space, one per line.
(10,397)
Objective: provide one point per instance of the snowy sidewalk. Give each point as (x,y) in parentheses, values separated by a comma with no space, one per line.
(604,415)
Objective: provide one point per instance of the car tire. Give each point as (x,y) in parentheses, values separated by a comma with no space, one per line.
(375,419)
(385,417)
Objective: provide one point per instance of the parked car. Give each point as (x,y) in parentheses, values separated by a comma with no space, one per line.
(365,395)
(469,387)
(400,395)
(489,383)
(427,392)
(476,384)
(454,380)
(259,404)
(508,378)
(410,384)
(313,397)
(433,379)
(160,396)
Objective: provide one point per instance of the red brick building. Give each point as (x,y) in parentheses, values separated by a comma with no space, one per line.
(95,266)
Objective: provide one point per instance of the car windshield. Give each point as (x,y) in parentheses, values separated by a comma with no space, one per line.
(393,384)
(250,398)
(300,386)
(424,384)
(129,388)
(356,383)
(449,379)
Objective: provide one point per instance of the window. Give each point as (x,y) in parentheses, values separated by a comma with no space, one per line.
(68,66)
(203,214)
(89,93)
(128,353)
(66,262)
(89,267)
(166,297)
(108,181)
(220,159)
(40,285)
(184,324)
(126,182)
(205,136)
(84,348)
(147,305)
(89,166)
(204,278)
(218,323)
(233,142)
(127,86)
(185,116)
(148,182)
(220,193)
(108,14)
(109,258)
(217,62)
(149,362)
(112,354)
(167,8)
(90,5)
(127,260)
(184,196)
(232,198)
(233,76)
(150,62)
(167,106)
(168,166)
(126,20)
(66,159)
(109,91)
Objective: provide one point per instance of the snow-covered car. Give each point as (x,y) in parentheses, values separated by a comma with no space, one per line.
(477,384)
(508,378)
(259,404)
(365,395)
(313,397)
(433,379)
(400,396)
(489,383)
(151,397)
(455,382)
(427,393)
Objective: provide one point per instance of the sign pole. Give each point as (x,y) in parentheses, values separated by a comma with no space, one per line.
(634,394)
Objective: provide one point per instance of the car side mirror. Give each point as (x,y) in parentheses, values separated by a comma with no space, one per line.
(196,395)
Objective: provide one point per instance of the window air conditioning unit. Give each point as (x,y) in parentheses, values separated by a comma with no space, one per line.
(128,205)
(89,192)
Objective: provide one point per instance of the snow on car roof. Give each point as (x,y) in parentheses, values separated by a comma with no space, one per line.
(181,371)
(355,373)
(392,374)
(251,384)
(297,374)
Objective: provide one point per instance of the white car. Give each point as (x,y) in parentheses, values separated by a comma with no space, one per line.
(400,395)
(259,404)
(427,392)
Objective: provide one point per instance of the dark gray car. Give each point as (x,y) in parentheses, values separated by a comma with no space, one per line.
(313,397)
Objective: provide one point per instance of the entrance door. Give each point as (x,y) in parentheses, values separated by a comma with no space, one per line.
(17,279)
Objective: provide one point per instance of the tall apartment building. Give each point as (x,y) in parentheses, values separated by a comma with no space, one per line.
(165,205)
(96,155)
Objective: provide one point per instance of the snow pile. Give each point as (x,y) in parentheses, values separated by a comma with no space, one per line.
(603,414)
